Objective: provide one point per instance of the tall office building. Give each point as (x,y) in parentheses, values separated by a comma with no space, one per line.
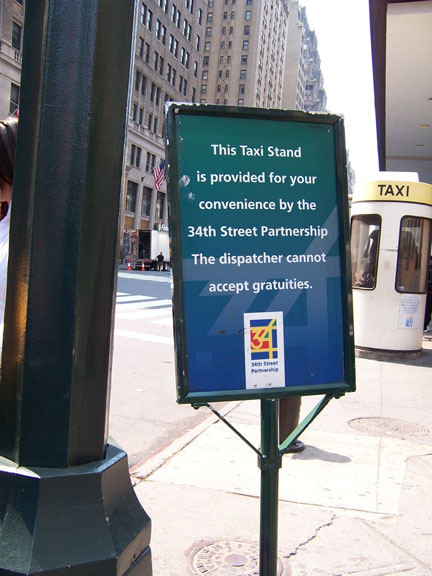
(261,53)
(167,63)
(11,30)
(244,52)
(303,79)
(315,98)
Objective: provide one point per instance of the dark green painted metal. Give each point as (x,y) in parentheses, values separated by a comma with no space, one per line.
(84,520)
(225,421)
(61,283)
(270,463)
(305,423)
(67,506)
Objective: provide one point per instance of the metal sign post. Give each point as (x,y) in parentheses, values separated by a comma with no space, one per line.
(262,283)
(270,464)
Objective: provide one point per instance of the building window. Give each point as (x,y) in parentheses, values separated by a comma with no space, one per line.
(203,88)
(205,75)
(248,14)
(244,59)
(146,201)
(175,15)
(141,47)
(16,36)
(208,32)
(242,74)
(413,255)
(246,30)
(137,80)
(164,5)
(131,195)
(241,89)
(210,17)
(134,111)
(146,17)
(150,162)
(365,239)
(160,202)
(207,47)
(14,98)
(240,102)
(245,44)
(135,156)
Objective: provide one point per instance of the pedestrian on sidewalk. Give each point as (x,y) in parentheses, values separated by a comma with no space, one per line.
(160,261)
(289,416)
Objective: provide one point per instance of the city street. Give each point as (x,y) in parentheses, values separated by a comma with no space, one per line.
(144,414)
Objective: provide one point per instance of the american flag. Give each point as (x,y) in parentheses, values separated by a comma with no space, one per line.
(158,175)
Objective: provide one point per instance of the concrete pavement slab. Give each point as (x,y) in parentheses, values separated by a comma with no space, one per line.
(355,502)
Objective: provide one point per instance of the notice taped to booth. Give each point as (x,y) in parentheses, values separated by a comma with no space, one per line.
(260,252)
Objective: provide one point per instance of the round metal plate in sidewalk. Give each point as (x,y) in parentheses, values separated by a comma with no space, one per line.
(228,558)
(388,427)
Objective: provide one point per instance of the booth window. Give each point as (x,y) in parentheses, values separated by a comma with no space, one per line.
(413,255)
(365,237)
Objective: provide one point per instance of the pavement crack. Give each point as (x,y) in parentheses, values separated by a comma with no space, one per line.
(314,535)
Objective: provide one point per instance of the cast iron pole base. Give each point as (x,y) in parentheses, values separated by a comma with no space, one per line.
(84,520)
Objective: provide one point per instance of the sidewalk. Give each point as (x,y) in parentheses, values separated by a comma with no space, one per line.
(356,501)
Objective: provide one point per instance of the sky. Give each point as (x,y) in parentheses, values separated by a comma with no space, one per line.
(342,30)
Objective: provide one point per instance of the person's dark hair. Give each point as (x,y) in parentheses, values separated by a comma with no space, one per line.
(8,138)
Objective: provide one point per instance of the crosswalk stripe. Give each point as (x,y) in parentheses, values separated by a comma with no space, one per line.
(139,305)
(143,314)
(128,298)
(144,337)
(164,321)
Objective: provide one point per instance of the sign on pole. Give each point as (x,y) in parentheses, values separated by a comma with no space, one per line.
(260,249)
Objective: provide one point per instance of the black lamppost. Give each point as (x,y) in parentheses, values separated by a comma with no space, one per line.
(66,502)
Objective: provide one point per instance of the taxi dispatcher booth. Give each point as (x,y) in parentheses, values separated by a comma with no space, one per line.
(391,224)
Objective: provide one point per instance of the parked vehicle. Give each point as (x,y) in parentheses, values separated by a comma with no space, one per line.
(146,245)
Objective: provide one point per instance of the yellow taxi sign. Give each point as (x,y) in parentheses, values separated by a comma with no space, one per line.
(394,191)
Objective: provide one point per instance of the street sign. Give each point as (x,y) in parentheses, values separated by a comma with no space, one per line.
(259,225)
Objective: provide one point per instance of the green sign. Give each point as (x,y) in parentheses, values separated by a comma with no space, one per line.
(259,226)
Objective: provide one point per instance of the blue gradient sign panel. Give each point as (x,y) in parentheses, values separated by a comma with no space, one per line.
(259,240)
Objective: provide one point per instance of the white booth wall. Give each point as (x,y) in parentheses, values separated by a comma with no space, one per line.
(391,219)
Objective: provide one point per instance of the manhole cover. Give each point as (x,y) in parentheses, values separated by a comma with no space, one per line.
(388,427)
(228,558)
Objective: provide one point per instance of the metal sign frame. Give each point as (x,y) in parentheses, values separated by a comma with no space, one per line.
(296,162)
